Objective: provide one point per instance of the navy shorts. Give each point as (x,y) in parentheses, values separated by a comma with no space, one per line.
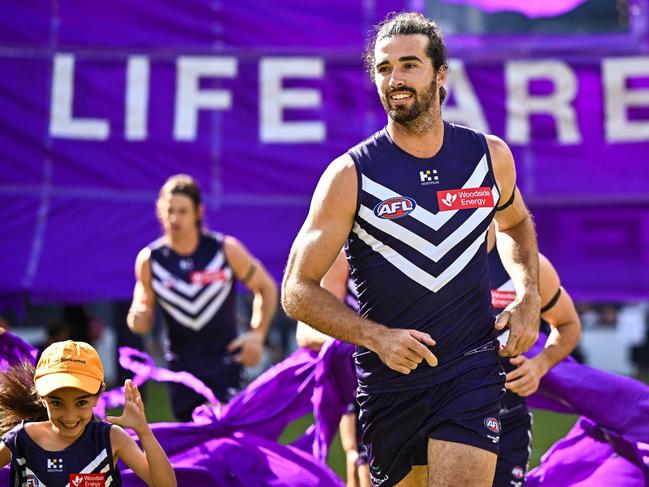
(396,425)
(515,445)
(224,384)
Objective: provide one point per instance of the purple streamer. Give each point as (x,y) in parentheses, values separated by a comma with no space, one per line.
(335,389)
(14,350)
(143,367)
(610,444)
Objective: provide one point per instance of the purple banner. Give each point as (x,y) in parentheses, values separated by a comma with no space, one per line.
(100,106)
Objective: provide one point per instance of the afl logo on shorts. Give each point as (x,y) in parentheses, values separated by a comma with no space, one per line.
(393,208)
(518,472)
(492,424)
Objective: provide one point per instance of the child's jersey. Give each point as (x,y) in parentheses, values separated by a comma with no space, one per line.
(88,461)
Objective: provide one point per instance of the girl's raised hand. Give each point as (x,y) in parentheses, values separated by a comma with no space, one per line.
(133,415)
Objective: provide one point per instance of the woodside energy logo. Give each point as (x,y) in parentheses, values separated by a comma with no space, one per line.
(464,199)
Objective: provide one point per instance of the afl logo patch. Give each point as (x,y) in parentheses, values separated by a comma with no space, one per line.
(393,208)
(518,472)
(492,424)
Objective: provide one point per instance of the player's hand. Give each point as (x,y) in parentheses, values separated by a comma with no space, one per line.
(525,379)
(522,317)
(251,348)
(133,415)
(140,316)
(403,350)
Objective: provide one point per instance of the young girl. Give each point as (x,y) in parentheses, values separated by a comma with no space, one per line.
(49,433)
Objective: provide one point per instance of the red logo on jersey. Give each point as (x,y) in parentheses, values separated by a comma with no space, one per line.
(87,480)
(208,277)
(465,199)
(502,299)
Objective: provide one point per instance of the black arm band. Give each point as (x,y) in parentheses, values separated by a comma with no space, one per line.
(508,202)
(249,274)
(552,302)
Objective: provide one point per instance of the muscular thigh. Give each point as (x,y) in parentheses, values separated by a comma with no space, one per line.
(451,464)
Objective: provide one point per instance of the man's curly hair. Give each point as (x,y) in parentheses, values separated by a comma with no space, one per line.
(408,23)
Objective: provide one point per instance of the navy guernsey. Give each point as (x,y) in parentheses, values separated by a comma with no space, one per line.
(197,295)
(417,253)
(90,456)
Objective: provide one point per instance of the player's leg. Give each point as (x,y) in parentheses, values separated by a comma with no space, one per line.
(364,475)
(463,447)
(451,464)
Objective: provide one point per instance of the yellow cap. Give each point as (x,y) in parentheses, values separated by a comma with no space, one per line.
(69,364)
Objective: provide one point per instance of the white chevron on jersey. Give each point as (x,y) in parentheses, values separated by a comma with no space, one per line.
(430,250)
(190,307)
(189,290)
(103,455)
(201,320)
(414,272)
(433,220)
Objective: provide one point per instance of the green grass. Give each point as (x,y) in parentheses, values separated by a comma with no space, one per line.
(547,428)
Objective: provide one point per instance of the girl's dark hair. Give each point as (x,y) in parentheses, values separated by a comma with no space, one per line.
(408,23)
(18,397)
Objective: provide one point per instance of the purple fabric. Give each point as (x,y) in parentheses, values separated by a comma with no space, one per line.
(610,444)
(236,445)
(531,8)
(202,455)
(143,367)
(588,457)
(77,208)
(608,447)
(279,396)
(603,397)
(335,389)
(241,437)
(14,350)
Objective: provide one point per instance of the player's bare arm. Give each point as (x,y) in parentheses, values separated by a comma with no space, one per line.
(254,276)
(141,313)
(559,311)
(334,281)
(313,252)
(516,241)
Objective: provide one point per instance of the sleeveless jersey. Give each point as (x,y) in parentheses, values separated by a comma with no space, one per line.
(90,457)
(197,295)
(351,296)
(417,252)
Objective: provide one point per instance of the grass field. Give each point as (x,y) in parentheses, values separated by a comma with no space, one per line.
(548,427)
